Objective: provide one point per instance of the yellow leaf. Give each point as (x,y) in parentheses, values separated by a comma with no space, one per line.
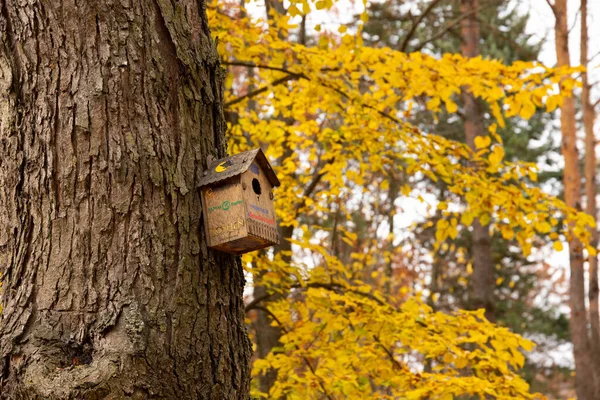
(293,10)
(433,104)
(507,232)
(448,358)
(497,113)
(497,155)
(466,218)
(553,101)
(527,110)
(451,106)
(461,362)
(532,175)
(543,227)
(482,141)
(558,246)
(485,219)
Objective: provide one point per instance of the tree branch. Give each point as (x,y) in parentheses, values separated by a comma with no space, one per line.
(523,52)
(389,354)
(262,66)
(551,7)
(413,28)
(258,91)
(335,287)
(308,364)
(317,176)
(453,24)
(303,76)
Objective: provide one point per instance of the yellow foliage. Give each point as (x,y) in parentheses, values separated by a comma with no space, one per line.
(376,358)
(335,120)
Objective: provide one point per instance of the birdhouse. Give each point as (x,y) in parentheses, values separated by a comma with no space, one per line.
(237,202)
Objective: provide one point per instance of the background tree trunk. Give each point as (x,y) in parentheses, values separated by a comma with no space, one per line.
(590,194)
(107,113)
(584,380)
(482,281)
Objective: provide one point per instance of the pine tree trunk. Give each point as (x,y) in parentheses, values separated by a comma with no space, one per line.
(107,113)
(584,380)
(590,194)
(482,280)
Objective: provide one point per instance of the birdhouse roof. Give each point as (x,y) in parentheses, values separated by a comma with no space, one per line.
(235,165)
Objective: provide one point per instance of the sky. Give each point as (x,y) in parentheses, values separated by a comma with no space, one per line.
(541,24)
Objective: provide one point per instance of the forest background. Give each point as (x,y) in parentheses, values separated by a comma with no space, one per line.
(360,238)
(437,209)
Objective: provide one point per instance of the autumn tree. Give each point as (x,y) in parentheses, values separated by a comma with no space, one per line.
(585,378)
(591,190)
(435,27)
(108,112)
(350,108)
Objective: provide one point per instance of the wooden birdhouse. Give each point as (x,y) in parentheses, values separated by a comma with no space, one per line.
(237,202)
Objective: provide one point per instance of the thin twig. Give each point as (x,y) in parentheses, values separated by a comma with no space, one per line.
(453,24)
(258,91)
(336,287)
(308,364)
(413,28)
(389,353)
(551,7)
(262,66)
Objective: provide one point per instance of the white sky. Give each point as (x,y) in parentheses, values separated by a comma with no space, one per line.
(541,24)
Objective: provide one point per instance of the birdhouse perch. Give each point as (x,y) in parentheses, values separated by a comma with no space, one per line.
(237,203)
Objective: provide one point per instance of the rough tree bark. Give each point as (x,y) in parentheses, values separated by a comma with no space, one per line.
(107,113)
(591,191)
(584,378)
(482,279)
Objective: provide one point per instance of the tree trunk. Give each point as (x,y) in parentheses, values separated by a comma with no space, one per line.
(107,113)
(482,280)
(267,333)
(584,381)
(590,194)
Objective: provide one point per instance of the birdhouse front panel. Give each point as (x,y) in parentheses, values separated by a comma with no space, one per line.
(258,194)
(225,213)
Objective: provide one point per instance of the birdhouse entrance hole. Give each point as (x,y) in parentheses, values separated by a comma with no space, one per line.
(256,186)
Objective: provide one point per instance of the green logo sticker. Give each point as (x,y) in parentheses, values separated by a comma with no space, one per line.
(225,206)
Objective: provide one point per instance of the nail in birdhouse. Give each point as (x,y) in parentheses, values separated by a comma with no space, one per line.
(237,202)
